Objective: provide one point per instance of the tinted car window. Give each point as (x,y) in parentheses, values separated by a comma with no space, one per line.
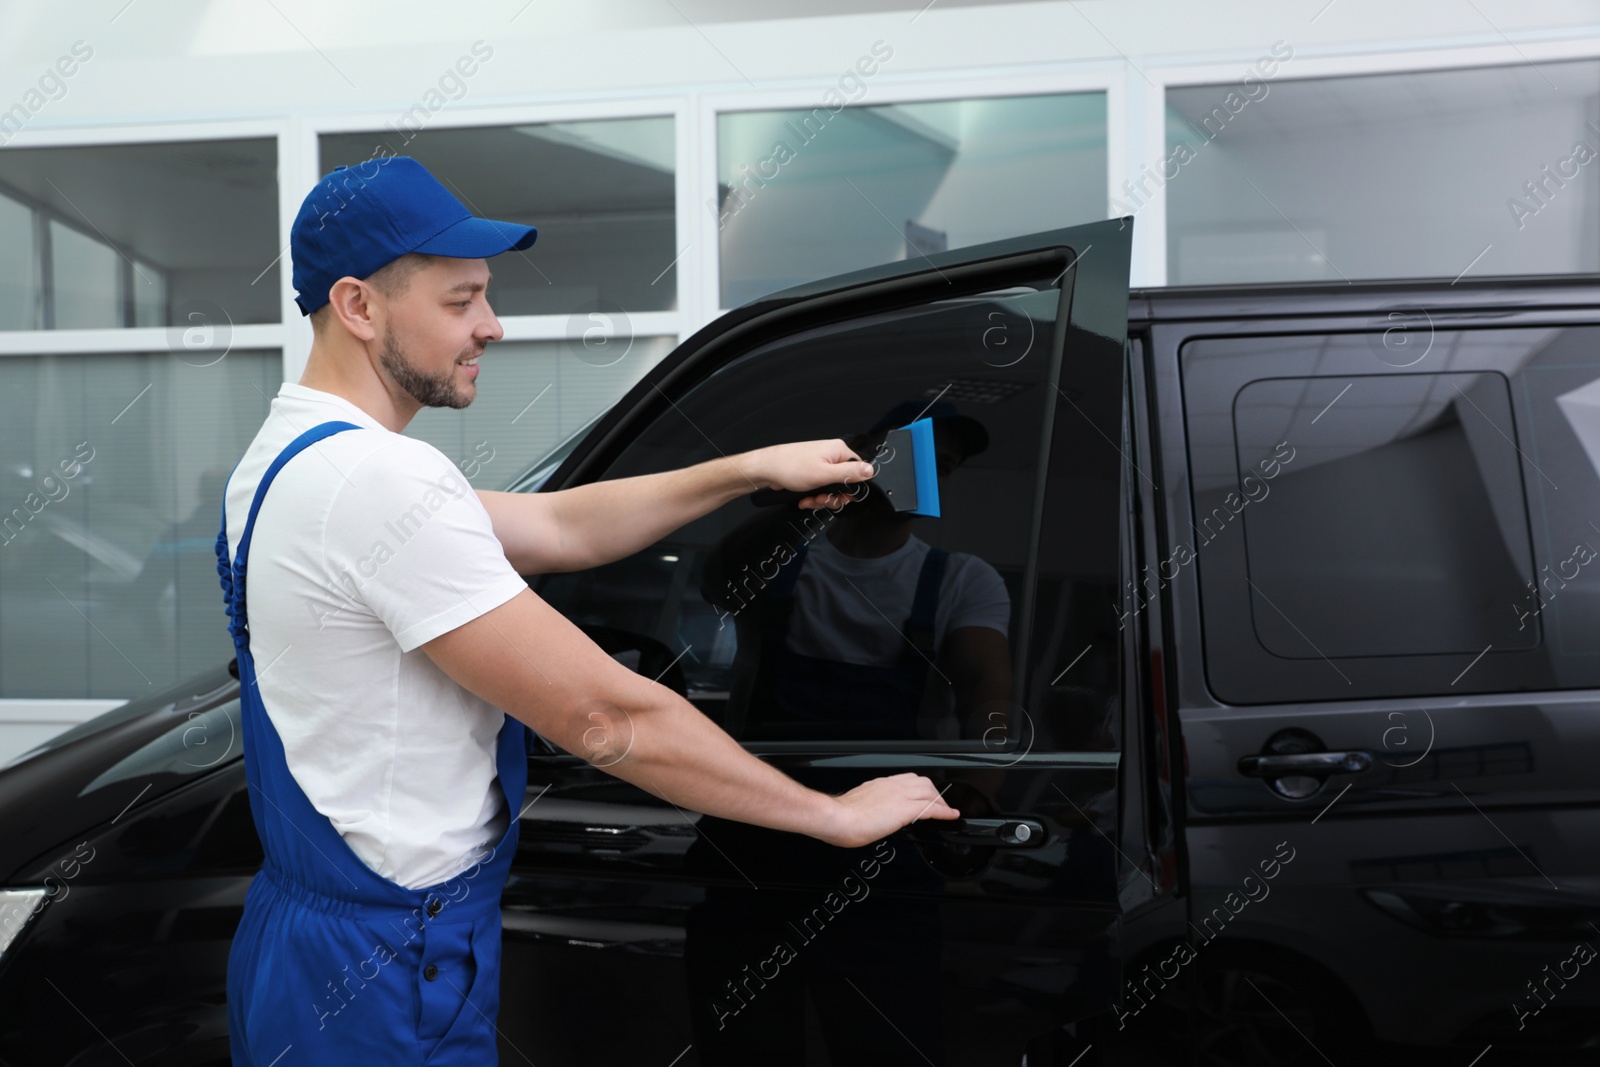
(1371,521)
(718,592)
(1399,528)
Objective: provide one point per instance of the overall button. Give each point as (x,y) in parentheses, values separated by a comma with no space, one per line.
(435,906)
(430,972)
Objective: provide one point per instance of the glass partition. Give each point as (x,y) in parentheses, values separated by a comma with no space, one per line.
(19,266)
(1425,174)
(85,281)
(805,194)
(111,475)
(107,236)
(532,396)
(602,194)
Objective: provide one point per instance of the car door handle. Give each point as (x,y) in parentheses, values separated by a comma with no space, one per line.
(1281,766)
(993,833)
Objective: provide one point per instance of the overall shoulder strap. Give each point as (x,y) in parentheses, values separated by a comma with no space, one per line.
(919,628)
(233,575)
(931,577)
(292,449)
(782,585)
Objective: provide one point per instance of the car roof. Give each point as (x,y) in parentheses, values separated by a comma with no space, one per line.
(1247,300)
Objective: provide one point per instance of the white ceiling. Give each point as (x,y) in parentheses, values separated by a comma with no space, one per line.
(186,60)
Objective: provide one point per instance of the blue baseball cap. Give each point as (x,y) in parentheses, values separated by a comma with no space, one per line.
(353,223)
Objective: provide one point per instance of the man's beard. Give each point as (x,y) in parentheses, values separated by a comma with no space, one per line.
(436,391)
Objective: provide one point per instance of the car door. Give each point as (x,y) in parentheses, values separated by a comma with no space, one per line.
(829,645)
(1388,667)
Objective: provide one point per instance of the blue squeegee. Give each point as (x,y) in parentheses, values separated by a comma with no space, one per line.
(915,489)
(907,474)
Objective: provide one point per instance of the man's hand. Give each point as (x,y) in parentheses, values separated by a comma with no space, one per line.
(877,808)
(805,465)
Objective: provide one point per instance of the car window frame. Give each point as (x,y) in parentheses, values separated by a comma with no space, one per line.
(891,287)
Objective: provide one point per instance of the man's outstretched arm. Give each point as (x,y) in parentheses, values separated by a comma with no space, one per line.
(527,659)
(591,525)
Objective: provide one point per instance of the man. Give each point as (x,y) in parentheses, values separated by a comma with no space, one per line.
(386,784)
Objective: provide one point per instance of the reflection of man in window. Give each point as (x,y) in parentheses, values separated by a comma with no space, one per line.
(867,631)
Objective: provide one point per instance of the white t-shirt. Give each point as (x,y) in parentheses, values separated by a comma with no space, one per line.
(369,544)
(833,620)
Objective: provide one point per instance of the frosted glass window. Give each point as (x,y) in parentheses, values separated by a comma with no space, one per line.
(150,296)
(19,268)
(603,195)
(532,396)
(85,281)
(1494,170)
(111,475)
(148,234)
(806,194)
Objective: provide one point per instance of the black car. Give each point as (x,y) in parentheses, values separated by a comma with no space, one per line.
(1280,757)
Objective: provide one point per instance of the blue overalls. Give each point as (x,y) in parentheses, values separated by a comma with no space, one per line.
(333,963)
(812,697)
